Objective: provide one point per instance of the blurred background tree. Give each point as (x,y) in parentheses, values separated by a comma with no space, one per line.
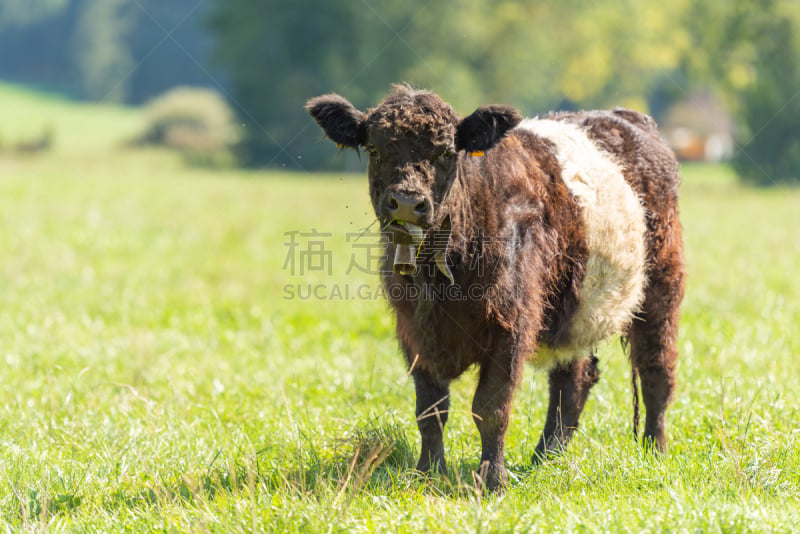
(106,50)
(532,54)
(101,54)
(267,56)
(278,53)
(769,107)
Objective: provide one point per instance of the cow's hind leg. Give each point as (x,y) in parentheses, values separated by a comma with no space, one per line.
(569,389)
(653,342)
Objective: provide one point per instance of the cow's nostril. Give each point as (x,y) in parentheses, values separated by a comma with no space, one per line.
(391,203)
(421,207)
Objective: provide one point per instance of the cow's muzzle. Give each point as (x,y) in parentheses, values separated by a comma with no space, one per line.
(404,208)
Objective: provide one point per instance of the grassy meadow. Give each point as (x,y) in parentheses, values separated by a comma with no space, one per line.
(163,366)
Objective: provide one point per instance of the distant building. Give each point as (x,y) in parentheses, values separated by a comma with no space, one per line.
(699,129)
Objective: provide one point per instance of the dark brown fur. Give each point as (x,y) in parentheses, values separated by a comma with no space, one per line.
(517,233)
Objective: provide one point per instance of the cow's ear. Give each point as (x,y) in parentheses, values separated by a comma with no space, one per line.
(485,127)
(339,119)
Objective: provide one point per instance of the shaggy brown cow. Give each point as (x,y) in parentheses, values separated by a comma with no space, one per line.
(556,233)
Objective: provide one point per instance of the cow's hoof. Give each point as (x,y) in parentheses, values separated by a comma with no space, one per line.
(657,444)
(492,478)
(549,448)
(428,467)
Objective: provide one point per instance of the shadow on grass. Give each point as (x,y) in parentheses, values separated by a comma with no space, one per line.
(376,458)
(379,458)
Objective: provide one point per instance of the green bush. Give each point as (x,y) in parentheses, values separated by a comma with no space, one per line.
(769,150)
(196,122)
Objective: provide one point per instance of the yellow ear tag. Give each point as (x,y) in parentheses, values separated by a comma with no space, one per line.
(339,145)
(476,153)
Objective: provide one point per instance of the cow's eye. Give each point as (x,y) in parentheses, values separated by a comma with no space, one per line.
(446,157)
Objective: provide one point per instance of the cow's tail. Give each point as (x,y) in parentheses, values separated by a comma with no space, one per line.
(634,387)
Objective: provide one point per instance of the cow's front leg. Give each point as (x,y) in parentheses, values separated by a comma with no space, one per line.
(433,401)
(490,410)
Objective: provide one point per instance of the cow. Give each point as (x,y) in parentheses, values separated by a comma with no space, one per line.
(558,232)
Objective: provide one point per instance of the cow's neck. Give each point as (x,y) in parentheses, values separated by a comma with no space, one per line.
(459,208)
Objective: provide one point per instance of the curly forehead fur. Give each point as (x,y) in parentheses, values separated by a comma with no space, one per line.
(410,113)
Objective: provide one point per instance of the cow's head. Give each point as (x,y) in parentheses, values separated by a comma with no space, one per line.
(414,140)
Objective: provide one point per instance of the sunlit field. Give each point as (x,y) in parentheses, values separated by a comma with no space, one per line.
(188,349)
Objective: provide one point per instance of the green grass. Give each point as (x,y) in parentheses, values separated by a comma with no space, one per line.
(153,376)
